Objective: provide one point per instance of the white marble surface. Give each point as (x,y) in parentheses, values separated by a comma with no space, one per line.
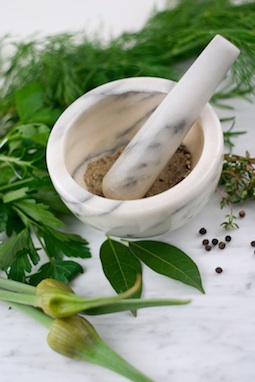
(212,339)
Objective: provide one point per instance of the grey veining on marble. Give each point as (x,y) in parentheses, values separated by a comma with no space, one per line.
(148,152)
(107,118)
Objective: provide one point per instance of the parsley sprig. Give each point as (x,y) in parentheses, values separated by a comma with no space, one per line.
(29,204)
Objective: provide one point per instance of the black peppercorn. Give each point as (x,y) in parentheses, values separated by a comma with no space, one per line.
(215,241)
(242,214)
(228,238)
(253,243)
(208,248)
(202,231)
(218,270)
(205,242)
(221,245)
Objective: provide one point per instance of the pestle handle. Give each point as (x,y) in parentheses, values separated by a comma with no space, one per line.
(148,152)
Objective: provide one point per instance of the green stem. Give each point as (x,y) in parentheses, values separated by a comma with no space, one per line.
(37,314)
(76,338)
(18,183)
(18,161)
(17,286)
(133,304)
(59,303)
(108,358)
(21,298)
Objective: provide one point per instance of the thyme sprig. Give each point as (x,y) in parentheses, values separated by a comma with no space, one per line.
(238,184)
(238,178)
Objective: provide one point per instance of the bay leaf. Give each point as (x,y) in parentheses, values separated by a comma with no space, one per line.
(168,260)
(120,266)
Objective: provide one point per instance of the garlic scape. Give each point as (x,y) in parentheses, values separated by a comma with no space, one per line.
(70,334)
(76,338)
(58,300)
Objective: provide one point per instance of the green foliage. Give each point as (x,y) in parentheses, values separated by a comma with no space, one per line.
(120,266)
(29,204)
(18,254)
(62,270)
(230,134)
(122,263)
(168,260)
(58,69)
(238,178)
(31,107)
(229,223)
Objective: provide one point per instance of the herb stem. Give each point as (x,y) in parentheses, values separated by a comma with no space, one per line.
(133,304)
(21,298)
(16,184)
(18,161)
(17,286)
(37,314)
(108,358)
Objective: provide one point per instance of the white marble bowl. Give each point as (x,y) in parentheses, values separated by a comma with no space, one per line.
(108,117)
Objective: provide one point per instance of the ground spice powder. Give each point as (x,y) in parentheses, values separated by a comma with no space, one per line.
(178,167)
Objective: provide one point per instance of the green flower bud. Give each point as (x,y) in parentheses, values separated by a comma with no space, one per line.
(75,337)
(48,284)
(58,302)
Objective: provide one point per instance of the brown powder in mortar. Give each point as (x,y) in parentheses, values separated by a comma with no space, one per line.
(178,167)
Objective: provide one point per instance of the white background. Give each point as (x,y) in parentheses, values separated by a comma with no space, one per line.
(106,17)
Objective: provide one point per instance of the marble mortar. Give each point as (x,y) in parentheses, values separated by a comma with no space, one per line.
(106,118)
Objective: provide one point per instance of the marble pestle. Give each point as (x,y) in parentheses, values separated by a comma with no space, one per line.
(148,152)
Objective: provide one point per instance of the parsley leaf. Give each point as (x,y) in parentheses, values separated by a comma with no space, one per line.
(29,204)
(59,243)
(18,254)
(62,270)
(37,212)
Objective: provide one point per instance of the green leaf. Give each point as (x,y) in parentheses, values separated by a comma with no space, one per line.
(59,243)
(17,255)
(7,173)
(29,100)
(120,266)
(35,132)
(168,260)
(31,106)
(134,304)
(62,270)
(3,217)
(38,212)
(9,249)
(21,193)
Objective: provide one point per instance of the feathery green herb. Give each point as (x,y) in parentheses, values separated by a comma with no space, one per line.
(68,65)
